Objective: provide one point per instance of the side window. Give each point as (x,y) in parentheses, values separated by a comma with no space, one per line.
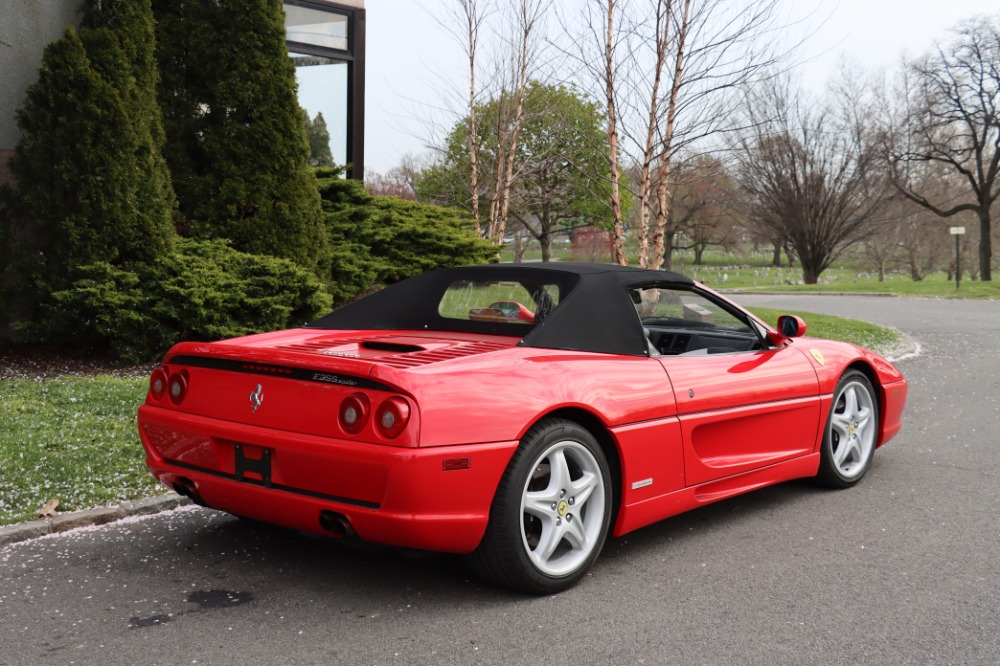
(677,321)
(663,306)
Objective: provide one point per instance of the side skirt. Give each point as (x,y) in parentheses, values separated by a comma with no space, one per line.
(633,516)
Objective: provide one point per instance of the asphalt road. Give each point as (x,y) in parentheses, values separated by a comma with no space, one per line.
(902,569)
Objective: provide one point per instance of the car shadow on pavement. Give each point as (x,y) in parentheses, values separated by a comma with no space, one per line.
(340,566)
(259,557)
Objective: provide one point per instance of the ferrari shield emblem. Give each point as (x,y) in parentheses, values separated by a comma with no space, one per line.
(818,355)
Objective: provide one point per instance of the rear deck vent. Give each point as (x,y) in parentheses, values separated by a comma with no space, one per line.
(396,353)
(446,354)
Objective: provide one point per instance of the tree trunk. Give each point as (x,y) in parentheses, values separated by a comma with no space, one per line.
(618,239)
(473,141)
(518,248)
(699,253)
(915,273)
(660,248)
(985,246)
(668,250)
(645,195)
(776,255)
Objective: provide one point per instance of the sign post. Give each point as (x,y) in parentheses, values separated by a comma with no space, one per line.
(957,232)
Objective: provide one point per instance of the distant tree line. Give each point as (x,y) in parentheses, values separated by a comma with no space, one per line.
(164,189)
(676,125)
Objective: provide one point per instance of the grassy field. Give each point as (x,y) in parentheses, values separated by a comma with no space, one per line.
(73,439)
(752,272)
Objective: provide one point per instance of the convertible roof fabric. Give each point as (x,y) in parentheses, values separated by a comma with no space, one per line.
(595,312)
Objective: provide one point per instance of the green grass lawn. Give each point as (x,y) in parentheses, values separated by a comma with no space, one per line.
(877,338)
(842,280)
(751,271)
(73,439)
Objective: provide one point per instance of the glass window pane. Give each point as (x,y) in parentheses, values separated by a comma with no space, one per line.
(323,94)
(311,26)
(669,307)
(508,302)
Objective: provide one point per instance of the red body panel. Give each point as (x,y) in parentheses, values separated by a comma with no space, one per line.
(706,383)
(686,430)
(500,395)
(836,357)
(743,411)
(391,495)
(634,516)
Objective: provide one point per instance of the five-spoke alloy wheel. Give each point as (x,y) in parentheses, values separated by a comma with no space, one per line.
(851,432)
(551,513)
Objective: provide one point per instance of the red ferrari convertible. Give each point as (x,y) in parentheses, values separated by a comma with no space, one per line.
(514,413)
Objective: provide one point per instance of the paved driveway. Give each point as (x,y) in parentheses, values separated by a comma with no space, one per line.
(903,569)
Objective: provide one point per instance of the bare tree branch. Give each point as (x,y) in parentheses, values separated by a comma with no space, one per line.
(948,121)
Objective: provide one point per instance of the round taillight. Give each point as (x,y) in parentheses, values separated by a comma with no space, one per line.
(158,383)
(177,386)
(392,417)
(354,412)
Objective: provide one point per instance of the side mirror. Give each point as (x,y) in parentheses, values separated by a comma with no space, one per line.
(791,326)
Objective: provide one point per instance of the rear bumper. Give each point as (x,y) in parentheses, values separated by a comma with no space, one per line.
(391,495)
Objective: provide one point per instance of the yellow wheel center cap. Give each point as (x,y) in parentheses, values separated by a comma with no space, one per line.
(851,428)
(563,508)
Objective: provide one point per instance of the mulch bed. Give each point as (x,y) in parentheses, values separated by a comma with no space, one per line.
(36,363)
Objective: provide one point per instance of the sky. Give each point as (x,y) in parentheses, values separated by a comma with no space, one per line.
(414,68)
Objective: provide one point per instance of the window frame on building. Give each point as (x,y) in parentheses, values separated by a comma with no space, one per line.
(354,57)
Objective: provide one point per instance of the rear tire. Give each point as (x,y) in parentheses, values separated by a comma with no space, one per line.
(550,515)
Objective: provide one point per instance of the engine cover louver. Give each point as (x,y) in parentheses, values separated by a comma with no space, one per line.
(397,352)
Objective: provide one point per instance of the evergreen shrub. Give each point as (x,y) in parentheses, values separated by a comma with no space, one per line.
(91,184)
(375,240)
(236,135)
(84,190)
(203,290)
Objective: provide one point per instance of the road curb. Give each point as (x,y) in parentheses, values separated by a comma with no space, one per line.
(763,292)
(38,528)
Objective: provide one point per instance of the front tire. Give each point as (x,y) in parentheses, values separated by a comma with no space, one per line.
(851,432)
(550,516)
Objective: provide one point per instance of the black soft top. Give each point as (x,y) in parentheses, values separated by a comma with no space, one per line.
(595,312)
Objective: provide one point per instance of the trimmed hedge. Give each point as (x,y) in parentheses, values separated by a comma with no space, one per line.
(203,290)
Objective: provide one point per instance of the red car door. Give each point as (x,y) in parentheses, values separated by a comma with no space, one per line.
(743,411)
(741,405)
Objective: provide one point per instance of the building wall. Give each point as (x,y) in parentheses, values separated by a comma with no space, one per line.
(26,28)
